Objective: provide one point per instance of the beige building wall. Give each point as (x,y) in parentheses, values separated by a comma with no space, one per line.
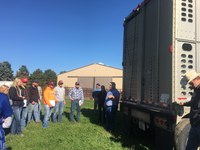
(91,71)
(118,82)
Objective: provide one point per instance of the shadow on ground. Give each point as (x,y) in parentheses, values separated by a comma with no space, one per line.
(128,141)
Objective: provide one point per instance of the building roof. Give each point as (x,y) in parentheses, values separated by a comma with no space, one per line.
(95,69)
(99,63)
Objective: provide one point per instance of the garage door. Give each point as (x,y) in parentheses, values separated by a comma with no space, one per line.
(90,82)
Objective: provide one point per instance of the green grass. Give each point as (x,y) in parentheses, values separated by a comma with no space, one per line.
(86,135)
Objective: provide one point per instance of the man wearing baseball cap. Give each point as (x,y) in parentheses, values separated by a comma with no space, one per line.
(76,96)
(194,135)
(60,95)
(34,97)
(49,103)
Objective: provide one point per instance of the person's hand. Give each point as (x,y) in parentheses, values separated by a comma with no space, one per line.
(72,99)
(65,102)
(111,97)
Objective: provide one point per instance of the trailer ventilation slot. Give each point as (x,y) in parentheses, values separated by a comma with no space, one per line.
(190,67)
(183,14)
(190,15)
(190,10)
(187,47)
(190,61)
(190,56)
(183,61)
(191,93)
(183,55)
(190,20)
(183,4)
(183,19)
(190,5)
(183,71)
(183,66)
(183,9)
(183,93)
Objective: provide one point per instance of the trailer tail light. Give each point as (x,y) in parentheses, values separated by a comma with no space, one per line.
(170,49)
(125,110)
(163,104)
(160,122)
(137,8)
(139,5)
(182,98)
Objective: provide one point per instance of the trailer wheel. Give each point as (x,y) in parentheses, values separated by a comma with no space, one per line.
(181,134)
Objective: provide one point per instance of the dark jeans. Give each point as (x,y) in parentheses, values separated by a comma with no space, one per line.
(111,112)
(74,105)
(194,138)
(95,103)
(16,123)
(101,111)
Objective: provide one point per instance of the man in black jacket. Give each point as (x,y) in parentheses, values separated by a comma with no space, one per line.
(194,134)
(33,107)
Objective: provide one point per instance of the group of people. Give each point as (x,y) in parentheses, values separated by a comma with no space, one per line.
(26,104)
(107,104)
(19,104)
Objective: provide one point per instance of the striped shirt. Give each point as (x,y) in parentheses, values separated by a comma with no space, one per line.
(76,94)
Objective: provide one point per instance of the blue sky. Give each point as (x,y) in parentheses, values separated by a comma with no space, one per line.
(62,34)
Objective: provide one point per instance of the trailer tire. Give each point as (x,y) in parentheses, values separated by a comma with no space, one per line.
(181,134)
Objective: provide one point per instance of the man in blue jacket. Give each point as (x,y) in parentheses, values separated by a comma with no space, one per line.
(111,102)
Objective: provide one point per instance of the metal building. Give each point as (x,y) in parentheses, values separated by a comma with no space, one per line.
(91,74)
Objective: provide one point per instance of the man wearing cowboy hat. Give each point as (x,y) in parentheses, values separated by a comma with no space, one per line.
(194,135)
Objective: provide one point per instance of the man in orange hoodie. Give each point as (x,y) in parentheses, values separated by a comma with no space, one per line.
(49,103)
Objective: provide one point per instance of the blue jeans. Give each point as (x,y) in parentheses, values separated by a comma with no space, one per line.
(194,138)
(33,109)
(2,139)
(47,115)
(16,123)
(23,117)
(58,111)
(40,109)
(74,105)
